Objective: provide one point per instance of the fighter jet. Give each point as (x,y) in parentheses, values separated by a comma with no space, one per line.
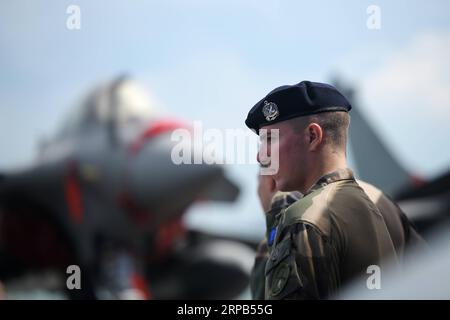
(426,203)
(105,195)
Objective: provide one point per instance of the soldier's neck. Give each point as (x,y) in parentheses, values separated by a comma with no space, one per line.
(324,166)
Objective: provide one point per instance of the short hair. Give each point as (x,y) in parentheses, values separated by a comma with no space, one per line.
(334,125)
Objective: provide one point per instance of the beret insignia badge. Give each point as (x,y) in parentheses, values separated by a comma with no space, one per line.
(270,111)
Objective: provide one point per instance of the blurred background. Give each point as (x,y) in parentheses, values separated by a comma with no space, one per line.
(207,61)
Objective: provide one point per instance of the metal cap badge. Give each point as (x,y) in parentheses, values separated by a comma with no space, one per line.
(270,111)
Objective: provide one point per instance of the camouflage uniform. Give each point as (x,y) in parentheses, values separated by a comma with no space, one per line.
(329,236)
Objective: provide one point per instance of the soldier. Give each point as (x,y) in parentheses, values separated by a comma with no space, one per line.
(334,232)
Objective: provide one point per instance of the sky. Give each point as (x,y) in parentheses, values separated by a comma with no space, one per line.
(212,60)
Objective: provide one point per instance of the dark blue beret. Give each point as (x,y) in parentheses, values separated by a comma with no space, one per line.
(291,101)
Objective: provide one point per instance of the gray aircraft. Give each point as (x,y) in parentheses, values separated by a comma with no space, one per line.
(426,203)
(105,195)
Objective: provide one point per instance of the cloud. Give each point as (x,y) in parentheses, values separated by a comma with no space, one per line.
(414,78)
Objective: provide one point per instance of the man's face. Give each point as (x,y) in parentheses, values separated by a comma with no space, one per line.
(292,149)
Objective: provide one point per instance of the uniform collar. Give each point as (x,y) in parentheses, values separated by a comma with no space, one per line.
(283,200)
(338,175)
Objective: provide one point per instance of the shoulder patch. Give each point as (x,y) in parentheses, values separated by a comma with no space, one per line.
(280,278)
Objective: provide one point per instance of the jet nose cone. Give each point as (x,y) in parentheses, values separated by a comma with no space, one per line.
(157,180)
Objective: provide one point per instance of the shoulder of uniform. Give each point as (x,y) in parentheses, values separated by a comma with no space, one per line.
(357,194)
(320,207)
(312,209)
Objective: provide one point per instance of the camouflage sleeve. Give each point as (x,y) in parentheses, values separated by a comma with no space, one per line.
(304,265)
(280,201)
(257,276)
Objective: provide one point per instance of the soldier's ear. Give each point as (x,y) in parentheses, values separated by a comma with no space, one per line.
(315,135)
